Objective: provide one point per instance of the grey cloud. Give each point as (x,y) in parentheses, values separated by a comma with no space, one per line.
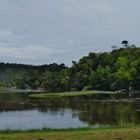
(46,31)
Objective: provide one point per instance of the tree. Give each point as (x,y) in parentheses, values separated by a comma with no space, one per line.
(125,43)
(114,47)
(100,79)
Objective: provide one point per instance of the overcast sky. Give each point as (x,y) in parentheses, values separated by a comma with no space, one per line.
(47,31)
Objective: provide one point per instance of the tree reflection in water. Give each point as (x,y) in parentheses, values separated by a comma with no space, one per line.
(87,110)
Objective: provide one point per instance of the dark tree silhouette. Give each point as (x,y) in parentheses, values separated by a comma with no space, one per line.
(125,43)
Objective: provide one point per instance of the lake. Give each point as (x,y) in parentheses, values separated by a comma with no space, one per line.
(18,111)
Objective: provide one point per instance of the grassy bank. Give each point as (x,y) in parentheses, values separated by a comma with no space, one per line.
(131,133)
(65,94)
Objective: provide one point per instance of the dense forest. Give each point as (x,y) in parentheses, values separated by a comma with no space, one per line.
(115,70)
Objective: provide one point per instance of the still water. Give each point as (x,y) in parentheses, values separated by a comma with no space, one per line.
(17,111)
(35,119)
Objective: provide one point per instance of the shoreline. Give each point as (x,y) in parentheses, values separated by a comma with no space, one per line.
(69,129)
(71,94)
(127,133)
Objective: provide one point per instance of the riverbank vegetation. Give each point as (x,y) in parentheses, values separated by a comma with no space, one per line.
(74,134)
(107,71)
(68,94)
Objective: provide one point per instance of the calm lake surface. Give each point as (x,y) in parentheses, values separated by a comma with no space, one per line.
(17,111)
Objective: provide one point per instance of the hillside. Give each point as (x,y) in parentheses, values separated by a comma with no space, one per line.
(118,69)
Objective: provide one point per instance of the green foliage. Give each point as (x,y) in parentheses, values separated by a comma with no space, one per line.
(119,69)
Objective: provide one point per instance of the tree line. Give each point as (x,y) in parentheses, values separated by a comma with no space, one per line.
(115,70)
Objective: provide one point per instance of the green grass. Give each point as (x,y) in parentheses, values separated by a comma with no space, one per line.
(118,133)
(65,94)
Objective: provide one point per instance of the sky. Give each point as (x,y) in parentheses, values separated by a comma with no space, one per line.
(46,31)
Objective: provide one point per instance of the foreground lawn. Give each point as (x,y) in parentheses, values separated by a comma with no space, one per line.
(64,94)
(89,134)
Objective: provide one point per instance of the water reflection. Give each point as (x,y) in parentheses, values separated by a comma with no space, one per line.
(24,113)
(30,119)
(110,113)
